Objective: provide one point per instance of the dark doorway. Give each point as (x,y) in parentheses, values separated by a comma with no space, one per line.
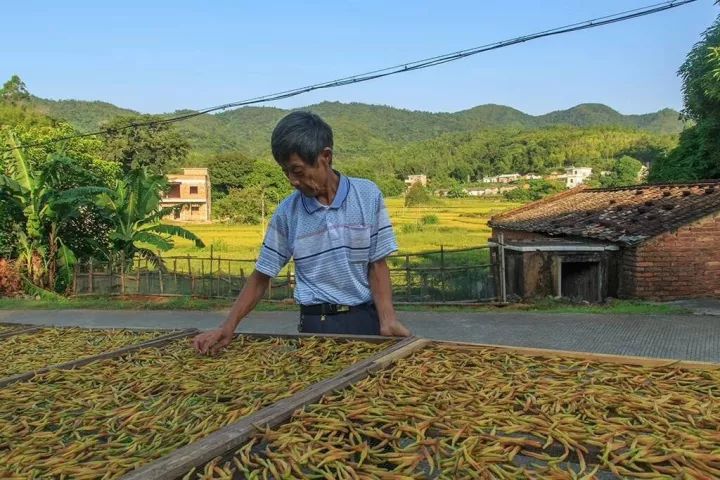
(176,214)
(580,281)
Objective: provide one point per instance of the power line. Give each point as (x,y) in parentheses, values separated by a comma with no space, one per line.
(388,71)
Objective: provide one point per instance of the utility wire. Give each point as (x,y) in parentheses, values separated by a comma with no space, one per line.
(388,71)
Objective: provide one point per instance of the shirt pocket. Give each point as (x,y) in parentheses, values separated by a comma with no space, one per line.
(357,240)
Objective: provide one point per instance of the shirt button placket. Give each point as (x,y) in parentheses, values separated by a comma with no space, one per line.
(333,231)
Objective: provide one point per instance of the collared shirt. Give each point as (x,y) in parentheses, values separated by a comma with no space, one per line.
(331,245)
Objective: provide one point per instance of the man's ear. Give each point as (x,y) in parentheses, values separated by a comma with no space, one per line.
(326,155)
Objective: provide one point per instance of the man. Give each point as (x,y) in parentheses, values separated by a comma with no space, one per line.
(338,232)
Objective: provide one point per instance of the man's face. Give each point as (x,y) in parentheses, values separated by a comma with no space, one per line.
(308,179)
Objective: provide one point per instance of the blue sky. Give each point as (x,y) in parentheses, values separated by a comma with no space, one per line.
(158,56)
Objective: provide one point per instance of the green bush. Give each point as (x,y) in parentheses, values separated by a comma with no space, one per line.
(241,206)
(417,195)
(411,228)
(429,220)
(535,190)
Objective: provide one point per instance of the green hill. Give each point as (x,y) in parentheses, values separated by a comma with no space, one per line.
(83,115)
(361,130)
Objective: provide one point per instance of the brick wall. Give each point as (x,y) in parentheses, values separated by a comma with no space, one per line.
(192,185)
(680,264)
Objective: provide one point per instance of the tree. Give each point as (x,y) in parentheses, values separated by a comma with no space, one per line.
(134,210)
(383,176)
(240,206)
(417,195)
(390,186)
(269,178)
(157,147)
(698,154)
(625,171)
(14,90)
(10,224)
(534,190)
(85,152)
(47,206)
(13,115)
(457,191)
(229,170)
(78,162)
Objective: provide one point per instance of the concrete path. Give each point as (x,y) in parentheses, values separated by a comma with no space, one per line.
(688,337)
(700,306)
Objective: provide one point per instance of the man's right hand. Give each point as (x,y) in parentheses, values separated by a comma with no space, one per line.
(210,343)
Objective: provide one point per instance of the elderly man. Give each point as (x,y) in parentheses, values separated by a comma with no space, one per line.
(337,231)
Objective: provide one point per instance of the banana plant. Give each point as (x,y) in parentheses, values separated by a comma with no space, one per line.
(134,209)
(46,207)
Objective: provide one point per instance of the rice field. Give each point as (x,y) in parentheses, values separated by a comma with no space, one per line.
(452,223)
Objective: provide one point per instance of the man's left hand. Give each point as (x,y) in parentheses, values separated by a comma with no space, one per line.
(394,329)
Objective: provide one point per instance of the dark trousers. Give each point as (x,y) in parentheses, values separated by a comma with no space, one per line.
(360,320)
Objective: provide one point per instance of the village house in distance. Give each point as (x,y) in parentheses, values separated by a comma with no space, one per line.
(411,180)
(191,192)
(575,176)
(656,242)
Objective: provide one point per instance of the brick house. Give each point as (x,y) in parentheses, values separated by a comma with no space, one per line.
(191,192)
(657,242)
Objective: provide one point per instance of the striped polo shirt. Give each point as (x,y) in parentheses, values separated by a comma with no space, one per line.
(331,245)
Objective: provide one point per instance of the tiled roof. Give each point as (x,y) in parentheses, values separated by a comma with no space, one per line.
(627,215)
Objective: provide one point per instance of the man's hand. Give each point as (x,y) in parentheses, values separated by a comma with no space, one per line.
(394,329)
(210,343)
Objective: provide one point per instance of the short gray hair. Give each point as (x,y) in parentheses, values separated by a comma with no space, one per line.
(302,133)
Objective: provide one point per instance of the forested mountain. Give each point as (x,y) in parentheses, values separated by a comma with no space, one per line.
(361,129)
(386,144)
(84,116)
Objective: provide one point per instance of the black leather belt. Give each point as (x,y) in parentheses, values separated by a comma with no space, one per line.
(324,309)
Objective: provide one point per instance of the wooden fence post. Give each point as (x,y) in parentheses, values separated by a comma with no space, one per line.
(160,277)
(229,278)
(287,286)
(407,277)
(122,273)
(218,273)
(90,276)
(211,272)
(202,276)
(501,252)
(75,278)
(442,273)
(192,277)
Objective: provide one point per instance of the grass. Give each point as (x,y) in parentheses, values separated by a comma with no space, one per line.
(131,303)
(616,307)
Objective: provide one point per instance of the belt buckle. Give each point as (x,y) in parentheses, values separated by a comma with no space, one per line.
(343,308)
